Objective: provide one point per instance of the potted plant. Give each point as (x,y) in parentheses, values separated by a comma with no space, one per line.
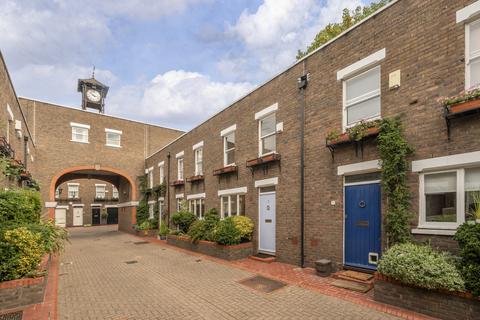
(164,231)
(474,212)
(464,101)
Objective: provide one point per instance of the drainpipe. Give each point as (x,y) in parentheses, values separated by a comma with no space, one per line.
(302,86)
(167,189)
(25,148)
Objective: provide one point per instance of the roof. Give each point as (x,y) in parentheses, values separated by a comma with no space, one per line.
(92,81)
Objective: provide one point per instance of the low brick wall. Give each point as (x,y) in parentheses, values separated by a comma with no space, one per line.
(236,252)
(125,222)
(25,291)
(439,304)
(146,233)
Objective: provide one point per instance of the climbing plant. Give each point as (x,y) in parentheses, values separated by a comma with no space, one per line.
(349,18)
(394,151)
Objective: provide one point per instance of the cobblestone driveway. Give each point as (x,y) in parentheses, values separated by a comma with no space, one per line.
(96,283)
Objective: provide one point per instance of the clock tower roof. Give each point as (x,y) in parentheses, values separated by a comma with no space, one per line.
(92,83)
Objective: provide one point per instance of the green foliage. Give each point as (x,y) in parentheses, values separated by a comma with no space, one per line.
(160,189)
(226,233)
(21,251)
(164,231)
(394,150)
(211,220)
(468,237)
(421,266)
(464,96)
(349,18)
(142,211)
(142,184)
(245,226)
(148,224)
(19,206)
(52,237)
(360,130)
(11,168)
(197,231)
(183,219)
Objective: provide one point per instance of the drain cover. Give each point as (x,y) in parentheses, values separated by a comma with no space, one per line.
(141,242)
(12,316)
(263,284)
(131,262)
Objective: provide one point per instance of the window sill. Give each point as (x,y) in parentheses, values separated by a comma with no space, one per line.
(79,141)
(113,146)
(438,232)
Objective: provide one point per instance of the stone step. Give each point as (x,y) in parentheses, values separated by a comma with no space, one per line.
(354,276)
(352,285)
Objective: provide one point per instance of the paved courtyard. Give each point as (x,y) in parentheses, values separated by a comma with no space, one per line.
(95,282)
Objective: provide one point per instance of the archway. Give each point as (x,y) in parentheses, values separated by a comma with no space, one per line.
(121,180)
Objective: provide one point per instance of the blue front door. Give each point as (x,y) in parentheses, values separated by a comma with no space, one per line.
(362,225)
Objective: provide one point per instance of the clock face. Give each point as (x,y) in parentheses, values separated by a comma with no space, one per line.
(93,95)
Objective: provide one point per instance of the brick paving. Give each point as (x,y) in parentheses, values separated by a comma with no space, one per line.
(165,283)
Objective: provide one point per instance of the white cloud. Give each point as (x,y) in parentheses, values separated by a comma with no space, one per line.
(176,98)
(276,30)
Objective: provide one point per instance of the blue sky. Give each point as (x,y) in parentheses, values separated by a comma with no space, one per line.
(171,63)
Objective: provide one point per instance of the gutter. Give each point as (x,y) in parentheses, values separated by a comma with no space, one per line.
(167,189)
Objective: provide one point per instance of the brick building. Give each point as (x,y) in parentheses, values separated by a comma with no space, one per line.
(266,157)
(247,159)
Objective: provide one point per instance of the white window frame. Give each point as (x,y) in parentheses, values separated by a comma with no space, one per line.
(100,186)
(192,206)
(180,172)
(161,169)
(468,58)
(365,97)
(78,126)
(229,197)
(198,163)
(460,202)
(115,193)
(149,173)
(260,137)
(109,143)
(70,189)
(179,198)
(225,150)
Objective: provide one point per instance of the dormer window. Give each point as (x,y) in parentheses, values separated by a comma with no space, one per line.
(79,132)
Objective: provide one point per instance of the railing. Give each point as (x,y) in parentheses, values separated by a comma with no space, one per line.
(6,149)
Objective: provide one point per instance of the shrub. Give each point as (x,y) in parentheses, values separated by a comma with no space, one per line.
(145,225)
(468,238)
(197,231)
(21,251)
(19,206)
(244,226)
(226,233)
(52,237)
(211,221)
(142,211)
(183,219)
(421,266)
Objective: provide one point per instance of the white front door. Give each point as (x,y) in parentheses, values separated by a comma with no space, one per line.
(267,222)
(61,217)
(78,216)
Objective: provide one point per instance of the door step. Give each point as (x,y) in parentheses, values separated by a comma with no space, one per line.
(353,280)
(263,258)
(352,285)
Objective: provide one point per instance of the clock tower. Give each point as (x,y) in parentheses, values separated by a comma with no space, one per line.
(93,93)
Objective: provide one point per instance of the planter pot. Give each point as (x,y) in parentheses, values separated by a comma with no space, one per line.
(241,251)
(146,233)
(436,303)
(345,137)
(225,170)
(464,106)
(161,237)
(265,159)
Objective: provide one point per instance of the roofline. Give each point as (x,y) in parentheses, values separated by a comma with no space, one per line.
(16,98)
(388,5)
(99,114)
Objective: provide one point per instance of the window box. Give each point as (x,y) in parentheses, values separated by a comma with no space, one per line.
(197,178)
(240,251)
(225,170)
(464,106)
(263,160)
(345,138)
(177,183)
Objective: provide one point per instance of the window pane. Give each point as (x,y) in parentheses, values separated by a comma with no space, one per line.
(472,194)
(198,210)
(202,207)
(225,206)
(267,125)
(241,204)
(363,84)
(474,38)
(230,157)
(230,141)
(363,110)
(233,205)
(79,134)
(475,72)
(441,197)
(268,144)
(113,138)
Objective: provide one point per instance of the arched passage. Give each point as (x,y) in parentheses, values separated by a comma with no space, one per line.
(112,175)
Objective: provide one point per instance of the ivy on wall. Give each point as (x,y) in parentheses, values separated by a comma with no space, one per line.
(394,151)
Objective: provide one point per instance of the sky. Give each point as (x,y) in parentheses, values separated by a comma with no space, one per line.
(171,63)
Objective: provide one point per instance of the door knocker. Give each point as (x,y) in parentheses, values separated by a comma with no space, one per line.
(268,208)
(362,204)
